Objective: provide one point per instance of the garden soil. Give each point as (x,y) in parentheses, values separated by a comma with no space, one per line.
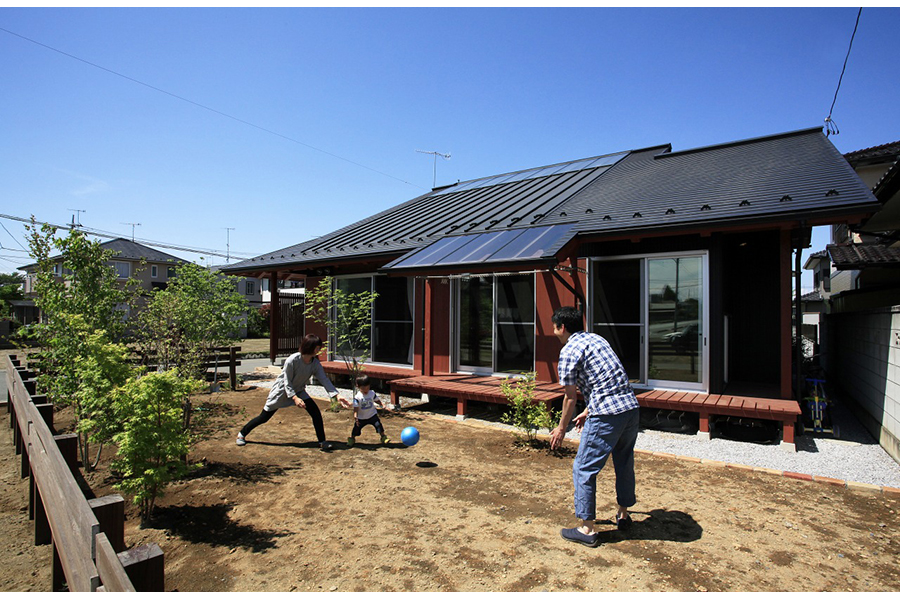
(467,509)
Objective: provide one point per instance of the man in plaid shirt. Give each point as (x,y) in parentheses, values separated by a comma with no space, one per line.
(609,424)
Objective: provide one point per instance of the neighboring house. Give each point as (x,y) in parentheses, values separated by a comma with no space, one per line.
(860,314)
(682,260)
(250,289)
(285,288)
(152,268)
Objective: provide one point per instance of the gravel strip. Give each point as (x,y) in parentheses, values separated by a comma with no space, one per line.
(855,456)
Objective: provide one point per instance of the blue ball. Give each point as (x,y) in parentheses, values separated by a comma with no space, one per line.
(409,436)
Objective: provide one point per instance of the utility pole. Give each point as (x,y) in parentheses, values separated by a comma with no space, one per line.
(77,211)
(133,225)
(434,170)
(228,231)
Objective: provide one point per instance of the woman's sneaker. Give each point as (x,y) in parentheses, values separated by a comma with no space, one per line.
(240,440)
(351,441)
(385,439)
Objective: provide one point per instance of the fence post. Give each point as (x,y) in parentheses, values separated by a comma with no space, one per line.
(110,512)
(42,533)
(232,367)
(68,447)
(46,411)
(144,566)
(57,577)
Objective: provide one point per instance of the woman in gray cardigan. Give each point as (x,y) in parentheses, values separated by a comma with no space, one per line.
(290,389)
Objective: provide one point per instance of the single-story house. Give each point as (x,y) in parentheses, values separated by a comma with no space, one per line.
(681,259)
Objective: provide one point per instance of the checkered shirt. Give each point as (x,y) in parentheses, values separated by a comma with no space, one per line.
(588,361)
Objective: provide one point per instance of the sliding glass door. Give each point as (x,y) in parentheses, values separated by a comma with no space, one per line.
(494,317)
(652,310)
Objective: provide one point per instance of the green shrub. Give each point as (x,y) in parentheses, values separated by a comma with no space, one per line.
(153,441)
(525,414)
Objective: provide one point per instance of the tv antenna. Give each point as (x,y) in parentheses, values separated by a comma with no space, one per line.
(133,225)
(228,231)
(77,211)
(434,171)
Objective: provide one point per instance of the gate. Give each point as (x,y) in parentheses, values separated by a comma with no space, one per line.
(292,327)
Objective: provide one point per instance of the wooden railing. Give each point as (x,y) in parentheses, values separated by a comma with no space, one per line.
(226,356)
(87,536)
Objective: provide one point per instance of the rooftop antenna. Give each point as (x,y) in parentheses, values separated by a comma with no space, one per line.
(133,225)
(228,231)
(77,211)
(434,173)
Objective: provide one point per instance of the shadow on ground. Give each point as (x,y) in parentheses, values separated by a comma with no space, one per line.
(211,525)
(658,524)
(239,472)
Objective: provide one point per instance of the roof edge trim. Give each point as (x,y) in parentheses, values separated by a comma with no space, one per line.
(776,136)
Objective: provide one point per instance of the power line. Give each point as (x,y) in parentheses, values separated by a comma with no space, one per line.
(12,236)
(204,107)
(101,233)
(830,125)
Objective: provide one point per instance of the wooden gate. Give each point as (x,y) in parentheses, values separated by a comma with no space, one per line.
(291,328)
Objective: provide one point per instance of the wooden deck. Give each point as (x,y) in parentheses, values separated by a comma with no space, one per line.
(464,387)
(784,411)
(382,372)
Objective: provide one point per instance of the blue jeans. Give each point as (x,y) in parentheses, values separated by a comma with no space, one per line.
(604,435)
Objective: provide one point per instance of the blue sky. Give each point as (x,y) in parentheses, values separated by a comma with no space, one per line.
(324,109)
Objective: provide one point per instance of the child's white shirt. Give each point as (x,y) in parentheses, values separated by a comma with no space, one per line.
(366,405)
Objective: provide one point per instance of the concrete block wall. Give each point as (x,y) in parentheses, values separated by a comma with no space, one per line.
(864,360)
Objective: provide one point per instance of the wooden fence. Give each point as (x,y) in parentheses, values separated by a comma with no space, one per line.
(218,358)
(87,535)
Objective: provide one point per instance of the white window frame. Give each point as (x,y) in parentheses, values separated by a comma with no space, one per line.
(115,263)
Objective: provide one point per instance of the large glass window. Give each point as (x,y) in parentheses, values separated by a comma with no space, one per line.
(391,325)
(495,323)
(651,310)
(392,320)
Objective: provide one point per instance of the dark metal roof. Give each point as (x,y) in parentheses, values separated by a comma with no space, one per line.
(858,256)
(793,175)
(128,250)
(876,154)
(790,176)
(497,203)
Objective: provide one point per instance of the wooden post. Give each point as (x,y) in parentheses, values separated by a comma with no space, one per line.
(30,385)
(144,565)
(461,407)
(68,447)
(110,512)
(232,367)
(57,577)
(274,316)
(46,411)
(42,534)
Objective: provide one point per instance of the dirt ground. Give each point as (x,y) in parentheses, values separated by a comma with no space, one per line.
(468,510)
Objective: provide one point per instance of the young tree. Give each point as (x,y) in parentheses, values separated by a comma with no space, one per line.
(348,318)
(182,324)
(525,414)
(79,359)
(153,442)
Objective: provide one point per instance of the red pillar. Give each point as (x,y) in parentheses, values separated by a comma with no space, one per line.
(274,316)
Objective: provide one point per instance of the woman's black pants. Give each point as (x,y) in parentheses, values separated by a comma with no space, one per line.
(311,407)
